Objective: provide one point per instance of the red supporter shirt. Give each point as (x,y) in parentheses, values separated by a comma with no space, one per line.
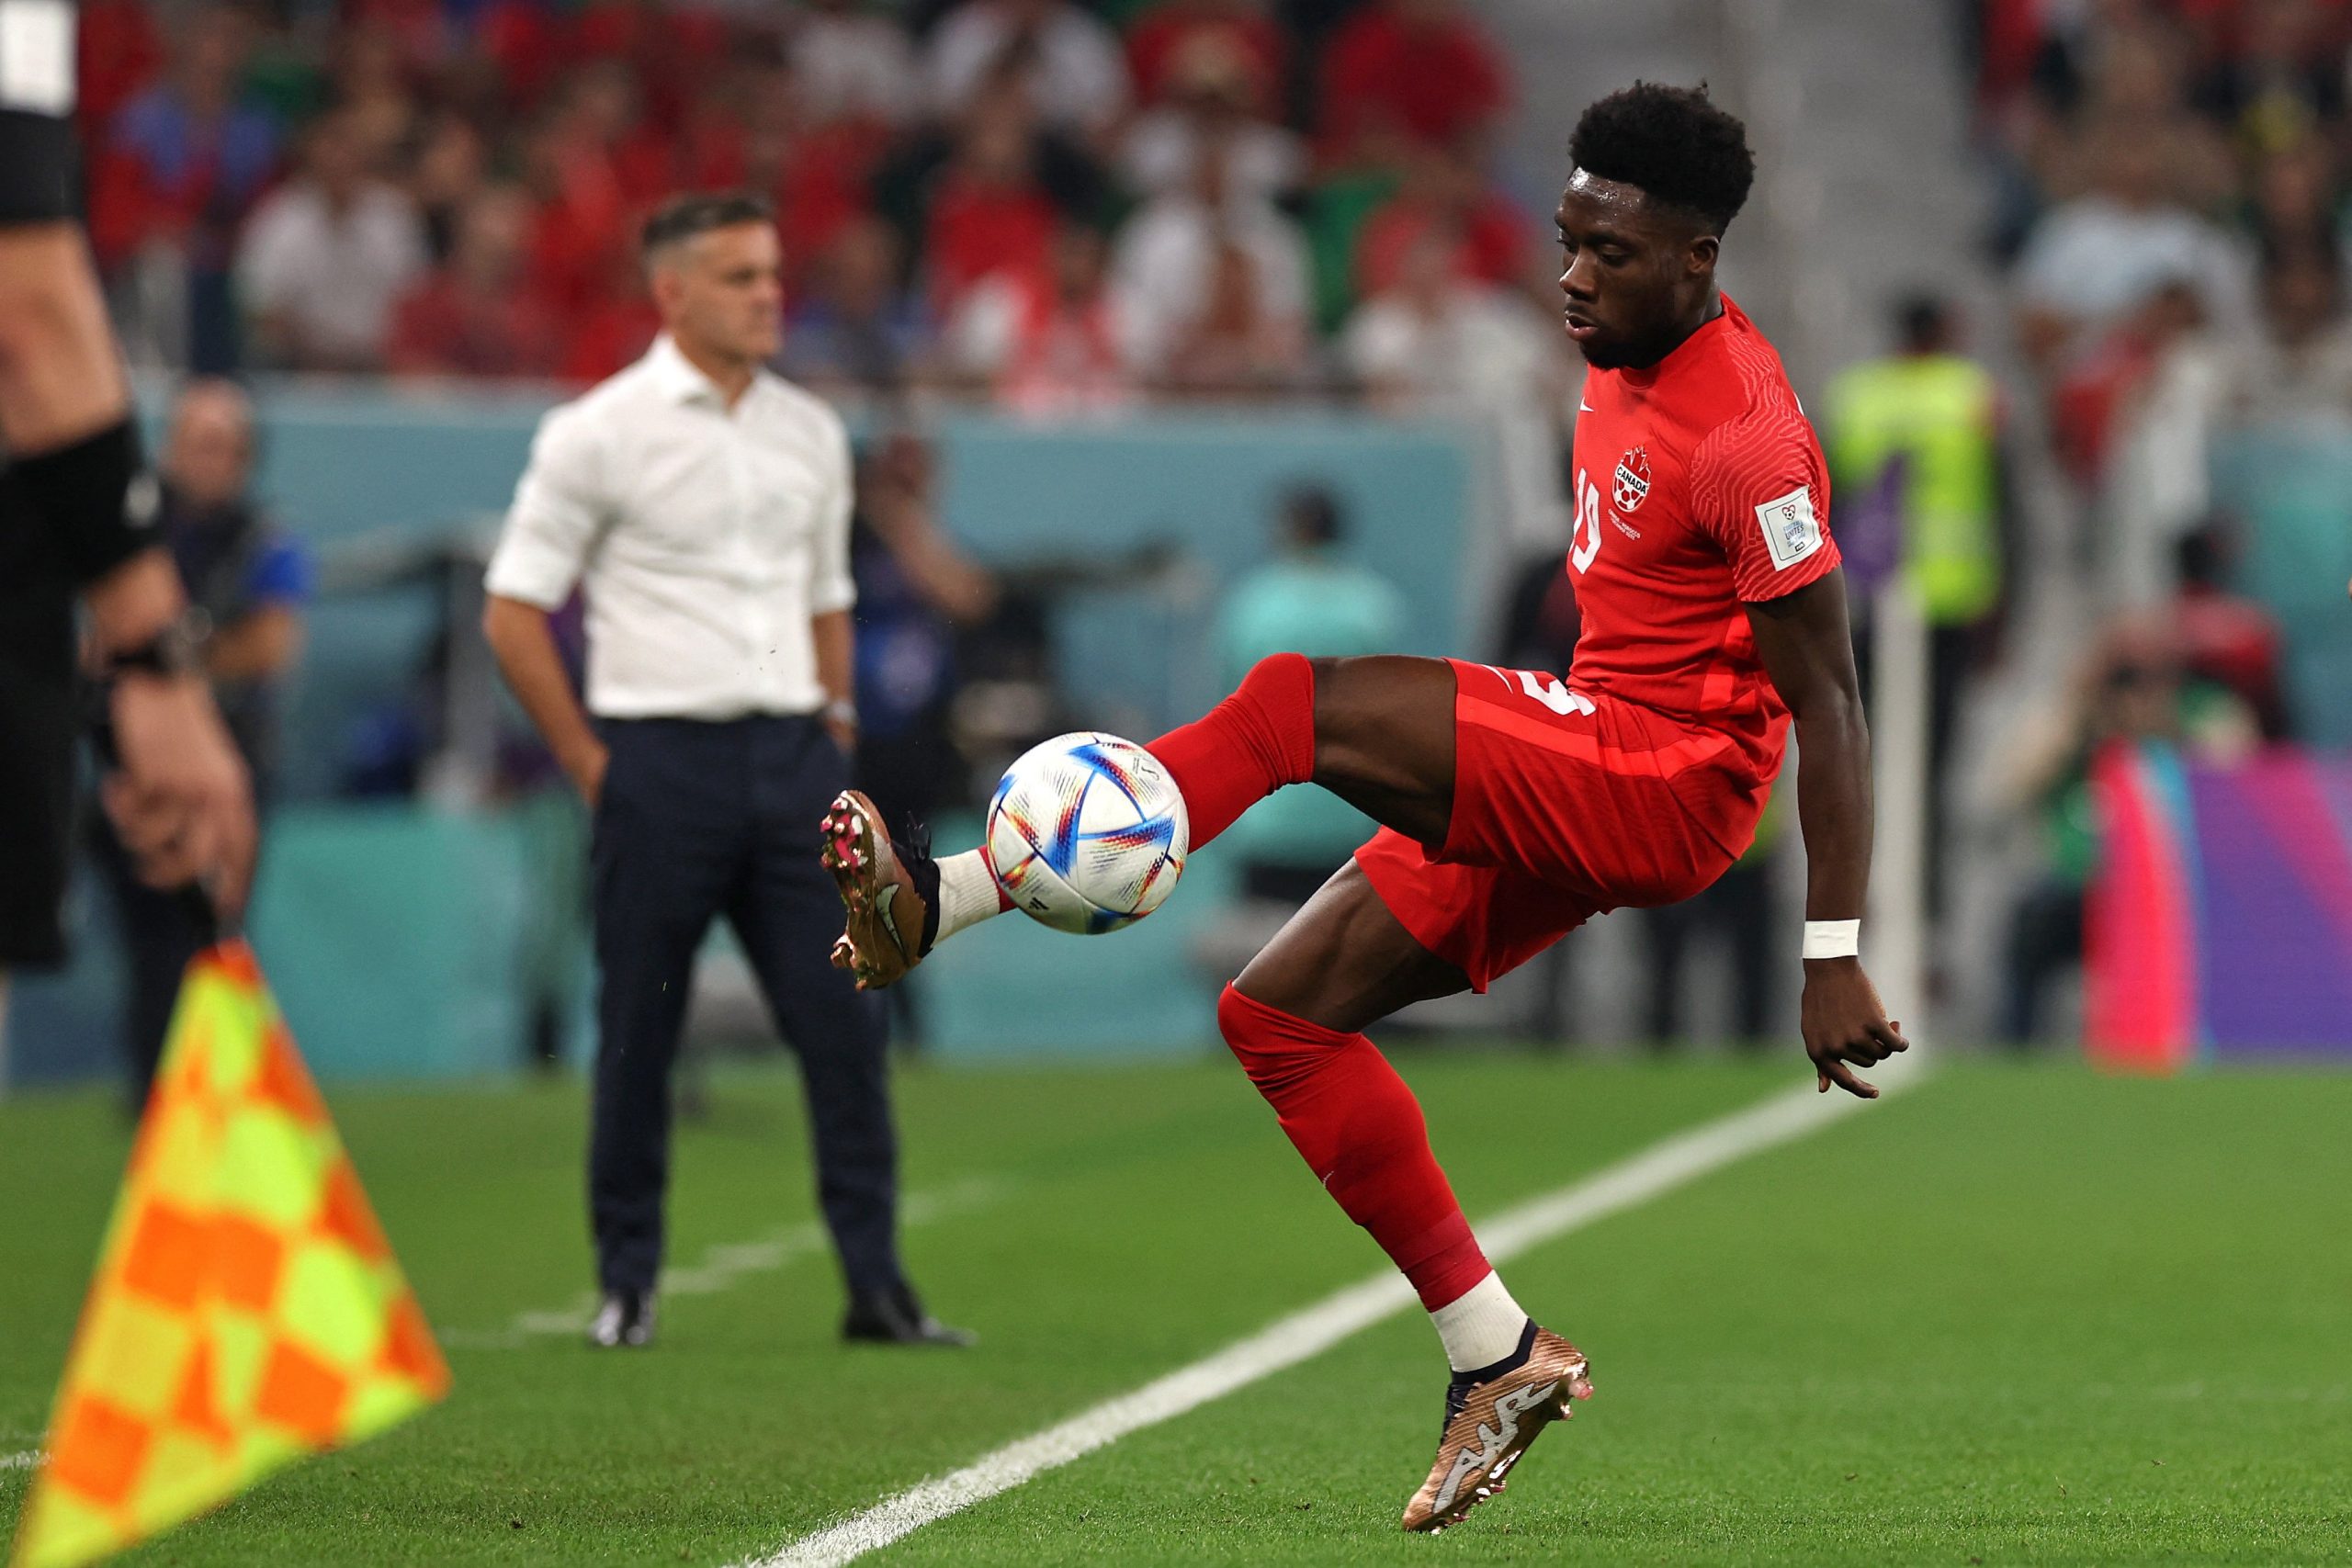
(1700,486)
(1436,82)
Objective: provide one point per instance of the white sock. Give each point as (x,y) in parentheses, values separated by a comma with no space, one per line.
(1480,1326)
(967,894)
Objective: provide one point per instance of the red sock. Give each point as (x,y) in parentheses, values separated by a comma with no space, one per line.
(1361,1131)
(1246,748)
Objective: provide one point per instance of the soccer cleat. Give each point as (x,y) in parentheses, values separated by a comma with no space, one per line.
(623,1320)
(1491,1415)
(890,890)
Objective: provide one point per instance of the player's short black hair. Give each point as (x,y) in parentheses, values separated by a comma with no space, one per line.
(1673,143)
(698,212)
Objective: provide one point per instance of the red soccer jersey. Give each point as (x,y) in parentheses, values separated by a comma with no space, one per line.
(1699,486)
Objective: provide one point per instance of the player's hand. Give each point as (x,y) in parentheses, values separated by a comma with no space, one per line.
(180,798)
(1846,1023)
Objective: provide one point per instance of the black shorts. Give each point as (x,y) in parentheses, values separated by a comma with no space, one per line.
(40,726)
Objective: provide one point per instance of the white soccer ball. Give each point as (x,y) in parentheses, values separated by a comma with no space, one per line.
(1086,833)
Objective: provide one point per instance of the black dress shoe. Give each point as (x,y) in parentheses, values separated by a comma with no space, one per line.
(624,1321)
(896,1317)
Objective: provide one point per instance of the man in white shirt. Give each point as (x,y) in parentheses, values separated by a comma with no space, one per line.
(704,504)
(326,256)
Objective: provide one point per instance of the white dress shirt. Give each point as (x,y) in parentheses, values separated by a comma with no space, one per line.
(707,538)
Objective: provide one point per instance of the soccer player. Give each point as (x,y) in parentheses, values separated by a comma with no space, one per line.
(1514,806)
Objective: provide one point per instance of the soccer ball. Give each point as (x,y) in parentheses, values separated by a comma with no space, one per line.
(1086,833)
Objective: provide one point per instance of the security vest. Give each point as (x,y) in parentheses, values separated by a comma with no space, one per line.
(1937,414)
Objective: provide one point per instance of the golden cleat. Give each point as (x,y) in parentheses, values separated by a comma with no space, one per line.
(881,889)
(1492,1425)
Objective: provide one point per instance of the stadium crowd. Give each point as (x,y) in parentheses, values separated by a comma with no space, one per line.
(2172,208)
(1064,206)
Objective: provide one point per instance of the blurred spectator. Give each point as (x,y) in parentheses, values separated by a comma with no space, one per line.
(987,210)
(327,256)
(452,166)
(1201,262)
(2301,359)
(1240,344)
(915,589)
(178,169)
(2099,257)
(1215,104)
(1069,61)
(1915,437)
(2226,640)
(250,581)
(1163,35)
(1047,346)
(1445,194)
(475,314)
(1422,66)
(1434,338)
(2284,79)
(1309,599)
(370,91)
(118,50)
(2127,692)
(2294,201)
(852,64)
(853,326)
(2107,382)
(581,235)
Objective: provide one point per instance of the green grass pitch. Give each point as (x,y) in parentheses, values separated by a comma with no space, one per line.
(2018,1314)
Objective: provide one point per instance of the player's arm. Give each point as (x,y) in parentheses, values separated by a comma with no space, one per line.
(555,523)
(180,795)
(1808,650)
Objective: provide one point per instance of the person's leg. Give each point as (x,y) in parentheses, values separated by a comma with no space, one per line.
(662,859)
(1377,732)
(1743,903)
(784,910)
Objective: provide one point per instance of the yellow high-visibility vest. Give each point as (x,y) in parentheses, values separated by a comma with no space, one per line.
(1939,416)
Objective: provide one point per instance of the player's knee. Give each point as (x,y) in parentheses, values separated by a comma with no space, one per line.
(1275,1049)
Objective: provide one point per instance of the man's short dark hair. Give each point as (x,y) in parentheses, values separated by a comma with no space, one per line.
(698,212)
(1674,144)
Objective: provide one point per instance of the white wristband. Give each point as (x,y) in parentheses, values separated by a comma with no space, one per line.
(1832,939)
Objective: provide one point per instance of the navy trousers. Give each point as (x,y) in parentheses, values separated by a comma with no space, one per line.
(698,820)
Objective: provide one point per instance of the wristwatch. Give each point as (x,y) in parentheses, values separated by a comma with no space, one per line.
(177,649)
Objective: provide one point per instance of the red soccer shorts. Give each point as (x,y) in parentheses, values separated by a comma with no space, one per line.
(1566,805)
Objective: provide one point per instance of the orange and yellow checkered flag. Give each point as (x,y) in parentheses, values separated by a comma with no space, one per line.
(247,1311)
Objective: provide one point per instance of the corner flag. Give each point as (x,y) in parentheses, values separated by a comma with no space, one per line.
(247,1311)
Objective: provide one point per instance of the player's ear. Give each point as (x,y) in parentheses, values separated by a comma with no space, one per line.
(1699,258)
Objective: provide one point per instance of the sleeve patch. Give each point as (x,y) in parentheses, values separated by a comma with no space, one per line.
(1792,532)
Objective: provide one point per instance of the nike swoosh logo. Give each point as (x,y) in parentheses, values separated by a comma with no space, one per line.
(1583,407)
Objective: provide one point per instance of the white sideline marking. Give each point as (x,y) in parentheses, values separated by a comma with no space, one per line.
(721,1267)
(24,1460)
(1673,1162)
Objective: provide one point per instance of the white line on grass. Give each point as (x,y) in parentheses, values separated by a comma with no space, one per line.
(1674,1162)
(721,1267)
(24,1460)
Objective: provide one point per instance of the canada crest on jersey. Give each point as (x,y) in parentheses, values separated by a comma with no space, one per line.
(1633,483)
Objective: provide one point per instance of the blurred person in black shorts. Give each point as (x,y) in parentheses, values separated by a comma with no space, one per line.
(76,518)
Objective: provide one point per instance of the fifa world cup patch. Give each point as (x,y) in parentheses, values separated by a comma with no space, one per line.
(1792,532)
(1631,485)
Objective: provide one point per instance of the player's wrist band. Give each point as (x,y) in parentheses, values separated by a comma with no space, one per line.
(1832,939)
(95,498)
(841,710)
